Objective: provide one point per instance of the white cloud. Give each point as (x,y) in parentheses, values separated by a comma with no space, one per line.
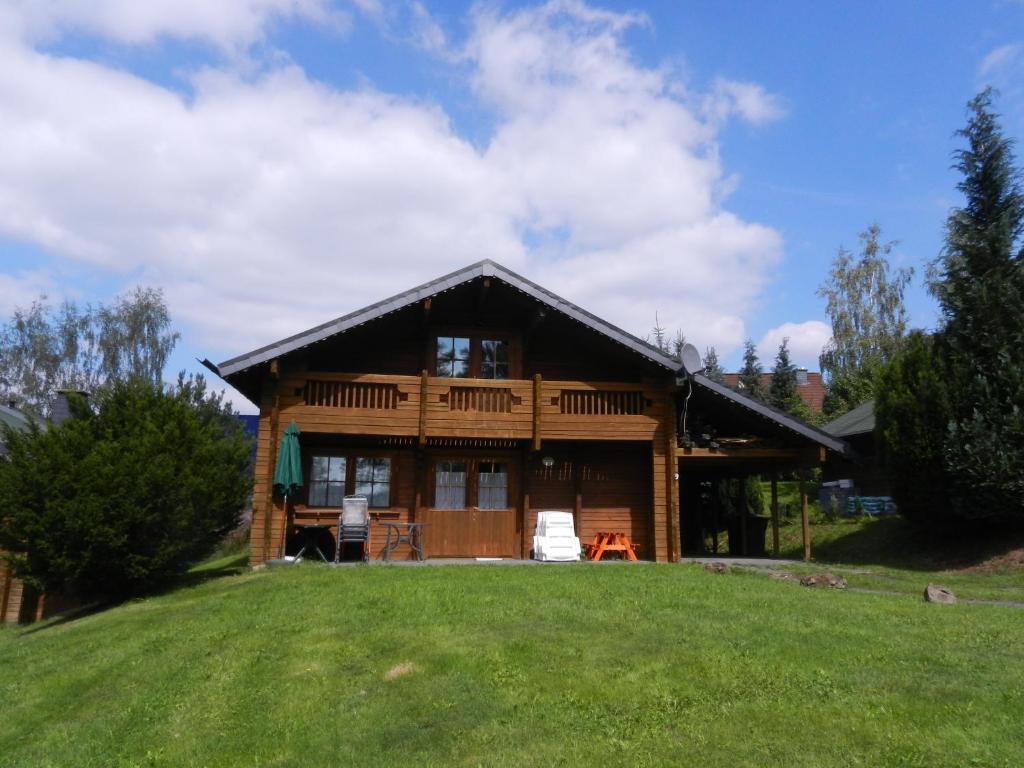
(265,205)
(20,290)
(999,59)
(749,101)
(805,343)
(134,22)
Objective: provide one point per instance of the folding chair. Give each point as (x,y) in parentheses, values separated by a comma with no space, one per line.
(354,526)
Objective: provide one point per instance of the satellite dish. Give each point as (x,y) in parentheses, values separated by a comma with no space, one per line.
(691,360)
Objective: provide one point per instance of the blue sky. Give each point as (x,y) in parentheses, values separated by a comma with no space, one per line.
(701,160)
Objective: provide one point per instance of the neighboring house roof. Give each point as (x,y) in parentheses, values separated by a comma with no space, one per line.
(859,421)
(812,393)
(491,269)
(16,420)
(485,268)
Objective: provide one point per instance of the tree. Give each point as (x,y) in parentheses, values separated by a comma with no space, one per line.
(782,393)
(750,373)
(45,348)
(122,498)
(912,412)
(712,368)
(950,411)
(659,338)
(979,283)
(869,321)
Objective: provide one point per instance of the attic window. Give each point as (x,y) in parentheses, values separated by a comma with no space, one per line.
(801,377)
(452,357)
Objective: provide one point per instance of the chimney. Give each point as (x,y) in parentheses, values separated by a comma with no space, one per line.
(61,410)
(801,377)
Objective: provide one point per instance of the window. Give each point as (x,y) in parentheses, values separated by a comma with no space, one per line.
(332,477)
(473,356)
(327,481)
(373,480)
(465,483)
(450,485)
(492,485)
(452,357)
(494,359)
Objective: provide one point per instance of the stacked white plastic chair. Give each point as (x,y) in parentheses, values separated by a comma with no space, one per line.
(555,539)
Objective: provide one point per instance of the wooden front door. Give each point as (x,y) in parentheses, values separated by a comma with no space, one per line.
(474,506)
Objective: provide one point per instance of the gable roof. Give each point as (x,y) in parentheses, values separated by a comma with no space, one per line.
(783,419)
(488,268)
(485,268)
(859,421)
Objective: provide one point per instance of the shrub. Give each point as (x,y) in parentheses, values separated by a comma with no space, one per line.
(125,496)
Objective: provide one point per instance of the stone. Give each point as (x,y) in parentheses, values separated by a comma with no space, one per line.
(936,593)
(716,567)
(824,581)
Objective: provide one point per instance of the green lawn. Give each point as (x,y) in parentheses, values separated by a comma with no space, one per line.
(612,664)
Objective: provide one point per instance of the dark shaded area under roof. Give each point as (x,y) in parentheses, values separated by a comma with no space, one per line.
(776,417)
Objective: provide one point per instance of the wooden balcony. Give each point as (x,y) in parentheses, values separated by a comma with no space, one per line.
(431,407)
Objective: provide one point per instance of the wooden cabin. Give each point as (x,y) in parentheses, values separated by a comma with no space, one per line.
(476,400)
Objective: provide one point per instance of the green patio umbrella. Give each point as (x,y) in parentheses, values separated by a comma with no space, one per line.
(288,472)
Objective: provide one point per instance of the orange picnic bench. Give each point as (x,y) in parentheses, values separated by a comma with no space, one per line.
(609,541)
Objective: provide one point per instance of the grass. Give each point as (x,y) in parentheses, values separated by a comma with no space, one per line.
(475,665)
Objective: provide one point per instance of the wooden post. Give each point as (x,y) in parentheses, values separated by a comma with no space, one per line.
(577,478)
(538,389)
(674,544)
(524,537)
(741,507)
(775,512)
(804,520)
(424,387)
(6,596)
(417,496)
(268,501)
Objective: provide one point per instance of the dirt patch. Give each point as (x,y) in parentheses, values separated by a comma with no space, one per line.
(1008,561)
(400,670)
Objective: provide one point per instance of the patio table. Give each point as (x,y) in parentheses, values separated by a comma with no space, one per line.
(410,533)
(308,531)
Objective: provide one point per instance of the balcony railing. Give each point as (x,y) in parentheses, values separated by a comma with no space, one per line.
(428,407)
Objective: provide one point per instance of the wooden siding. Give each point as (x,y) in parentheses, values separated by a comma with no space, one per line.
(11,592)
(471,532)
(400,510)
(624,493)
(607,488)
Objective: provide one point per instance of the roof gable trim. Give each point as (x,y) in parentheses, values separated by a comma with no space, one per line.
(485,268)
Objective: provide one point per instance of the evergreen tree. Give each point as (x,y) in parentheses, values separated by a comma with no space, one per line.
(712,368)
(659,338)
(869,321)
(912,413)
(750,373)
(979,282)
(950,409)
(782,393)
(122,498)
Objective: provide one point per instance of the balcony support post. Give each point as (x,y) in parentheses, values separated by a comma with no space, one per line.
(538,388)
